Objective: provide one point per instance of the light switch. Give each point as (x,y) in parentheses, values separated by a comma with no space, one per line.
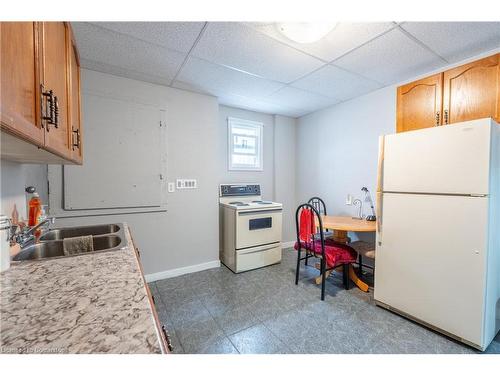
(171,187)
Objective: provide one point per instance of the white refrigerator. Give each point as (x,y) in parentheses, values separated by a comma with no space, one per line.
(438,229)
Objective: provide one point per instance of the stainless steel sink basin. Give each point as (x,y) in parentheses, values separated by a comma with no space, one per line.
(94,230)
(50,249)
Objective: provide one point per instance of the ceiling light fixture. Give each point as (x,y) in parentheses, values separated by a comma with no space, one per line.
(305,32)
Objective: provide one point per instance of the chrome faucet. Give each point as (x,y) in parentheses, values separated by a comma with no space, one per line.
(360,212)
(27,235)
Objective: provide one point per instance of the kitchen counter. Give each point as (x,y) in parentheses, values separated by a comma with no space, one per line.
(92,303)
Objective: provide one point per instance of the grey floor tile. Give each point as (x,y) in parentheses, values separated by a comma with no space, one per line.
(257,340)
(263,311)
(236,319)
(188,313)
(493,348)
(217,346)
(199,334)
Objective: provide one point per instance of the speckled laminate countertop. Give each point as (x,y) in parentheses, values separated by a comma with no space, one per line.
(92,303)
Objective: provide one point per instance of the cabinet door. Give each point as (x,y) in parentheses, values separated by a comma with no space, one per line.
(419,104)
(54,77)
(19,84)
(471,91)
(74,103)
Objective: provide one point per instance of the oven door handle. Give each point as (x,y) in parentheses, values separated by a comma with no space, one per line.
(258,249)
(246,213)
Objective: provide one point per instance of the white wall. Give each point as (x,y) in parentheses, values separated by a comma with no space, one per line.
(264,177)
(338,149)
(187,233)
(339,146)
(284,172)
(15,177)
(277,178)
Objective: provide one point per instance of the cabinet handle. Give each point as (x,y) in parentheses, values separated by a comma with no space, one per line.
(167,338)
(56,112)
(438,117)
(48,111)
(446,117)
(76,138)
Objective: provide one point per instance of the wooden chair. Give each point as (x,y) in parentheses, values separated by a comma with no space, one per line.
(366,250)
(311,240)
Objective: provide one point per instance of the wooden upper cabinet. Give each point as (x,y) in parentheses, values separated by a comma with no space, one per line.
(468,92)
(74,103)
(19,81)
(419,104)
(472,91)
(54,72)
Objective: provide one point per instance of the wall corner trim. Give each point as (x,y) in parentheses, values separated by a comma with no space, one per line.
(181,271)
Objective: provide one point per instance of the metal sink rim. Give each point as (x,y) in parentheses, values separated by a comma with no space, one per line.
(52,230)
(123,244)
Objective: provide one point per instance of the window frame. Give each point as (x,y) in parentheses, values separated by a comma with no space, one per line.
(233,121)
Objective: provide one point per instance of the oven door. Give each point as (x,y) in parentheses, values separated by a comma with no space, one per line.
(260,227)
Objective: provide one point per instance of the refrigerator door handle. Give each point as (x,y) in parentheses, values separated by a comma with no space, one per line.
(379,217)
(380,168)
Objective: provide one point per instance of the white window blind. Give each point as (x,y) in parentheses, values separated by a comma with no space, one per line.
(244,145)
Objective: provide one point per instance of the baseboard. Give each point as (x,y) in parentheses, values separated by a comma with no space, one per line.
(181,271)
(285,245)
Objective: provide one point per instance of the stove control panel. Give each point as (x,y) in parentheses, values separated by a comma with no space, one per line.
(229,190)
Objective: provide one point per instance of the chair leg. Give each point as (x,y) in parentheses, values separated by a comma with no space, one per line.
(323,279)
(306,259)
(298,266)
(360,262)
(345,274)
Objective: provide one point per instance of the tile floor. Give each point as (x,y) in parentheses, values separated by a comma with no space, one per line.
(263,311)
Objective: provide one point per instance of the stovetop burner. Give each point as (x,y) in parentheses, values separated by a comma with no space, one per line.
(262,202)
(238,203)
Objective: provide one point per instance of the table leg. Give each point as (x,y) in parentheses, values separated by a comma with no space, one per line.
(341,236)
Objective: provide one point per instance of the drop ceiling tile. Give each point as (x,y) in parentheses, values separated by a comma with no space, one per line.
(342,39)
(253,104)
(217,80)
(336,83)
(121,72)
(179,36)
(456,40)
(241,47)
(114,49)
(300,100)
(390,58)
(188,87)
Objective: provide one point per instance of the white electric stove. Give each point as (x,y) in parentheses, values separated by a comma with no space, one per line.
(250,228)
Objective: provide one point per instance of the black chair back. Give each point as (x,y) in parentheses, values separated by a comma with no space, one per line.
(318,204)
(309,243)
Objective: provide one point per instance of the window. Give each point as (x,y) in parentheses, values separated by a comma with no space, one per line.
(245,145)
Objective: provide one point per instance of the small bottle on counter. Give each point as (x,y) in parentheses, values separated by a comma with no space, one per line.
(34,205)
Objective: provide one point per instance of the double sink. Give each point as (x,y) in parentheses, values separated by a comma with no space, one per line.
(105,237)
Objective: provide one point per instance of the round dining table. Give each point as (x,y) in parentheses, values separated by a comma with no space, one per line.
(341,225)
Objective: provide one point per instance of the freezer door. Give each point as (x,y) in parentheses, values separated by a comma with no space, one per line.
(430,262)
(451,159)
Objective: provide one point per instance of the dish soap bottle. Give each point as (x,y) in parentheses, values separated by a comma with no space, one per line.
(34,205)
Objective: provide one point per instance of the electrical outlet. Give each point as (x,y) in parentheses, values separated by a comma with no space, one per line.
(186,183)
(171,187)
(348,200)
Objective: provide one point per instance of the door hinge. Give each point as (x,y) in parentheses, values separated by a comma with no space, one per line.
(161,176)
